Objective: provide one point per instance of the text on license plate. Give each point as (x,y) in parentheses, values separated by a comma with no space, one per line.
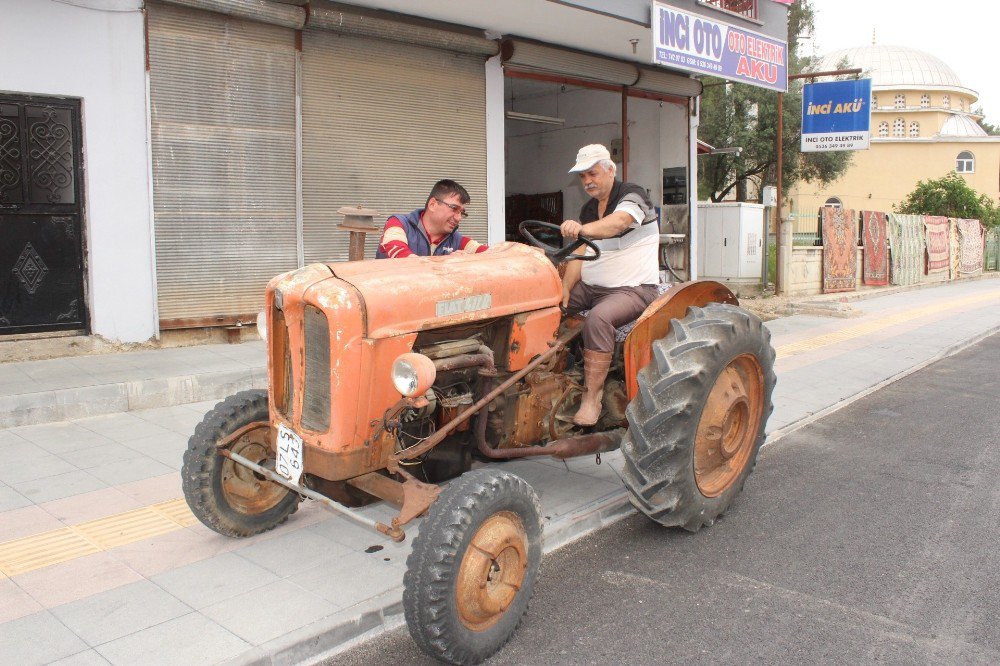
(289,462)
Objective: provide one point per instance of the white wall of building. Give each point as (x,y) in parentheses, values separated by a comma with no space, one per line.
(93,50)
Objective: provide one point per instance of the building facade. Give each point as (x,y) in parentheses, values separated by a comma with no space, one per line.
(922,127)
(211,142)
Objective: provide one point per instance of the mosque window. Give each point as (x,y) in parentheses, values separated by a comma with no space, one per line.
(965,163)
(874,101)
(946,101)
(961,104)
(925,101)
(898,127)
(914,129)
(883,129)
(834,202)
(900,101)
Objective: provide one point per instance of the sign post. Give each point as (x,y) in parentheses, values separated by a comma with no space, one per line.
(836,115)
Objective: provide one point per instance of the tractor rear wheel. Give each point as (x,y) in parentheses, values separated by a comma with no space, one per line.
(698,421)
(473,567)
(225,496)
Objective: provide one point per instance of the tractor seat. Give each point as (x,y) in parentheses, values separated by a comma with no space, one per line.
(622,331)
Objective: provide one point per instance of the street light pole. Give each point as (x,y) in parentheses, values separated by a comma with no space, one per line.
(778,287)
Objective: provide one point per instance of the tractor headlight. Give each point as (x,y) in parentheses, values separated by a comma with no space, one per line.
(262,325)
(413,374)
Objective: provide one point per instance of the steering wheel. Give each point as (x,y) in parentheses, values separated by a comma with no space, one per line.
(557,255)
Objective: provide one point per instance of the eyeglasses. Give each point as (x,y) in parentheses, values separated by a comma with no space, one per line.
(455,208)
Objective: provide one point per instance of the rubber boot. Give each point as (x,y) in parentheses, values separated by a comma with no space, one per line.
(595,371)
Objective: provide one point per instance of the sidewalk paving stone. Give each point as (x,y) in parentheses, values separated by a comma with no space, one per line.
(76,579)
(86,658)
(213,580)
(288,607)
(37,639)
(189,640)
(120,612)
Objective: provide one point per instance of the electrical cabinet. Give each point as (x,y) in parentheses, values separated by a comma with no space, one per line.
(731,241)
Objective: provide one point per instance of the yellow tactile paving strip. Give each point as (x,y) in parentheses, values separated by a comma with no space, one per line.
(68,543)
(882,323)
(48,548)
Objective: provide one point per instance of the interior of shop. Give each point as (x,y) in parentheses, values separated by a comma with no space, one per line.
(547,121)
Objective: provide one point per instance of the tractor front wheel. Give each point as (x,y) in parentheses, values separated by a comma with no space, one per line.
(698,421)
(231,499)
(473,567)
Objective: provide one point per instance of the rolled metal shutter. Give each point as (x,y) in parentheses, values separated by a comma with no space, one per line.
(381,122)
(222,94)
(667,83)
(531,57)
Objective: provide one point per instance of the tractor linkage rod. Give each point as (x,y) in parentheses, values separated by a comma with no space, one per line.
(393,533)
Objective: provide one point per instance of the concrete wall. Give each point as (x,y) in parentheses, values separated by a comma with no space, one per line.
(539,156)
(93,50)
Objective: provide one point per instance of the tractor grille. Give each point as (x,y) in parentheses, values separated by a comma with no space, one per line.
(316,397)
(281,362)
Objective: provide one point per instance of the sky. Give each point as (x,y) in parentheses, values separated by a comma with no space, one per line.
(962,33)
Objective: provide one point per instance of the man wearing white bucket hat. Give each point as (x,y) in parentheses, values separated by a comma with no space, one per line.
(618,285)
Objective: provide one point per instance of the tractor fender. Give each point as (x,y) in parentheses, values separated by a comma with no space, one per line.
(654,322)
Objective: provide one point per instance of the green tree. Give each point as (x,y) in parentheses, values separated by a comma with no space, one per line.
(950,196)
(989,128)
(735,114)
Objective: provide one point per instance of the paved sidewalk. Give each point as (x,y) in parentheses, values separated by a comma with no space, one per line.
(101,562)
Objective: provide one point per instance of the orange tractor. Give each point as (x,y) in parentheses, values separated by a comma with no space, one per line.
(389,377)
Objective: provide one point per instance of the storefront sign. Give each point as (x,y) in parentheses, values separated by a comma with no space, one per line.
(706,46)
(836,116)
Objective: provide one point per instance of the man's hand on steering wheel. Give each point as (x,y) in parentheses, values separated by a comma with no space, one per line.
(568,229)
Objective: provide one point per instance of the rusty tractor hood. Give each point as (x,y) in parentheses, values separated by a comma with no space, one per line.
(417,293)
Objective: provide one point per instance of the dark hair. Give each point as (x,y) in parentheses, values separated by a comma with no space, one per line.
(446,188)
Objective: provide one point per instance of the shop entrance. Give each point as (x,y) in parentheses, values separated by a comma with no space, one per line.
(548,119)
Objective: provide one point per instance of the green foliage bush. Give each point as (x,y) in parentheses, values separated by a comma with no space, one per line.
(950,196)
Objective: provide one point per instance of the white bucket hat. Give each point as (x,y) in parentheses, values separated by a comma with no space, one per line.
(589,156)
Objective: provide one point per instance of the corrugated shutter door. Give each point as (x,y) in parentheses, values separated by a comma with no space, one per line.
(381,122)
(223,142)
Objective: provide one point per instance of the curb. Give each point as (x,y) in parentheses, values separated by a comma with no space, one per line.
(330,636)
(112,398)
(847,297)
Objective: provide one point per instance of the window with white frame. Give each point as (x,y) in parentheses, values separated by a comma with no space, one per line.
(965,162)
(946,101)
(898,127)
(914,129)
(883,129)
(834,202)
(925,101)
(900,101)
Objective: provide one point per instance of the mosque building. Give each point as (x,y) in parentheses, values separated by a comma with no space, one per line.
(922,127)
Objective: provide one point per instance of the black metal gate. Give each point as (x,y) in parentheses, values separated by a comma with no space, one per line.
(41,244)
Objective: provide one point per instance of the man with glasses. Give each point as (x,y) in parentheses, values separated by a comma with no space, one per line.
(431,230)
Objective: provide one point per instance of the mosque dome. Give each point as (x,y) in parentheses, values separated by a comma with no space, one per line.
(896,67)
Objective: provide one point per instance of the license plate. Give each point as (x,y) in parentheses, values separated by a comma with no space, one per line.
(289,463)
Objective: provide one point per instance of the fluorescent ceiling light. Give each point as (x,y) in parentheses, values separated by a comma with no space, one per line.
(532,118)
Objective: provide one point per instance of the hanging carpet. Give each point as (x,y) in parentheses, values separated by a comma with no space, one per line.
(992,253)
(840,257)
(970,247)
(938,244)
(906,242)
(873,236)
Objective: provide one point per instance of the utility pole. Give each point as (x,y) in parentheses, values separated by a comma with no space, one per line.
(778,287)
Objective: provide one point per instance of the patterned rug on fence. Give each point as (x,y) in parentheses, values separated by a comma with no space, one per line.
(955,247)
(938,244)
(970,247)
(906,240)
(876,264)
(992,258)
(840,255)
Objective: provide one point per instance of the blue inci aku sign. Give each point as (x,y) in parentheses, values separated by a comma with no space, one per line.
(836,115)
(705,46)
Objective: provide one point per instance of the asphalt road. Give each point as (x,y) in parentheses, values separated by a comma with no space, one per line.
(871,536)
